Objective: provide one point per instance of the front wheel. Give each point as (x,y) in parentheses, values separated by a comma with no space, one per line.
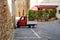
(18,26)
(29,26)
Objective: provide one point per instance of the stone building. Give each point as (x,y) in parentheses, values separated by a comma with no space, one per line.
(21,7)
(7,18)
(47,2)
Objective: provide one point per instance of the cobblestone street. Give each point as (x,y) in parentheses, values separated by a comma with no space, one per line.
(43,31)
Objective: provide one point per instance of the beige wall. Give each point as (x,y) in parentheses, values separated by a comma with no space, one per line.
(22,6)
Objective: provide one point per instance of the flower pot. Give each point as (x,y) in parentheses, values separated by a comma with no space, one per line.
(43,20)
(35,19)
(49,20)
(39,20)
(53,18)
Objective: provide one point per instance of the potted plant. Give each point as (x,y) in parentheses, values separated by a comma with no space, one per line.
(31,15)
(39,15)
(45,15)
(52,14)
(36,15)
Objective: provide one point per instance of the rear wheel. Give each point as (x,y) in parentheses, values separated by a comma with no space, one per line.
(29,26)
(18,26)
(33,26)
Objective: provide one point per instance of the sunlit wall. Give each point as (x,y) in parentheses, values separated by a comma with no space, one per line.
(34,2)
(44,2)
(10,5)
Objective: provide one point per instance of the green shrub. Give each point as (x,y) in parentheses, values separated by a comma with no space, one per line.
(31,15)
(52,13)
(39,14)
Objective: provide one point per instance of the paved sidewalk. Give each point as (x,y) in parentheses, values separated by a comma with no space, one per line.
(43,31)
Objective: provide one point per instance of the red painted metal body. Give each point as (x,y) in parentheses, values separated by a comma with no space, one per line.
(22,21)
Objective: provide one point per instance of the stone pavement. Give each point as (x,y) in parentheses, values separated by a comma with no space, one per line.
(43,31)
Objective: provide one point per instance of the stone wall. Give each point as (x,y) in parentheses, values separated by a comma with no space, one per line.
(22,7)
(6,24)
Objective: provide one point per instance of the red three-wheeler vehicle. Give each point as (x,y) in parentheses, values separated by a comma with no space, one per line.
(23,22)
